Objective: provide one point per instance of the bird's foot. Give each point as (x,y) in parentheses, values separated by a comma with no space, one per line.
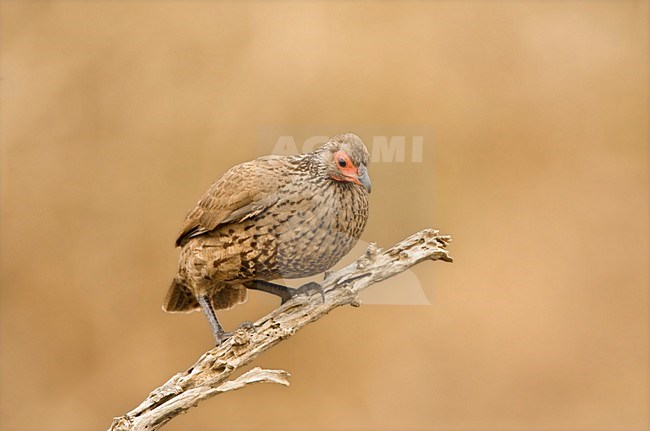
(285,293)
(307,289)
(246,326)
(221,337)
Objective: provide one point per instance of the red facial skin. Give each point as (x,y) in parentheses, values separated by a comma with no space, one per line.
(348,173)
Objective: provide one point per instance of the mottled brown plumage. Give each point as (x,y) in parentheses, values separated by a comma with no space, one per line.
(273,217)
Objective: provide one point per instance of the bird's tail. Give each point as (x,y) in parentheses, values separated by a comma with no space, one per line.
(179,299)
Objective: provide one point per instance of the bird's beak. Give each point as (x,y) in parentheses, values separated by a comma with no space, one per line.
(364,179)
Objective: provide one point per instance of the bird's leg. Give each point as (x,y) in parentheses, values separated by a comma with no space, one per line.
(217,330)
(274,289)
(285,293)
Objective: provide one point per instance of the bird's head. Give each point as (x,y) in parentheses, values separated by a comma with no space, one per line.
(346,158)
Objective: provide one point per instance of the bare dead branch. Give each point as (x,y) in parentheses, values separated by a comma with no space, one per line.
(209,375)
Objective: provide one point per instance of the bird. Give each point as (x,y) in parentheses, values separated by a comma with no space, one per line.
(278,216)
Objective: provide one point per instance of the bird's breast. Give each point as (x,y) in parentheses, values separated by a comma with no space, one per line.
(316,233)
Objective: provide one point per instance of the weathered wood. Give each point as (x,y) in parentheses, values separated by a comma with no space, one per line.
(209,375)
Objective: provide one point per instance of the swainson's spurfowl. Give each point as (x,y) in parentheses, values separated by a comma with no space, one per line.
(273,217)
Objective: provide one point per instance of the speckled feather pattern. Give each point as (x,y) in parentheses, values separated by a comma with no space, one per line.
(274,217)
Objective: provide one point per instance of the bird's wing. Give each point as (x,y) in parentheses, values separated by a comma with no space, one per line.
(243,192)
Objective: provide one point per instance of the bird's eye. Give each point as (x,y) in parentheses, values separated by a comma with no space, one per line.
(342,163)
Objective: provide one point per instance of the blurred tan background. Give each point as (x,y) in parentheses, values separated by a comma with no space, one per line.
(116,115)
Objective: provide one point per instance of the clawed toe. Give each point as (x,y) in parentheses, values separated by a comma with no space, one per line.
(222,336)
(246,326)
(307,289)
(311,287)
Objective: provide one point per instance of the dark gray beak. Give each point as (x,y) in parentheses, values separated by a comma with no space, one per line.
(364,179)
